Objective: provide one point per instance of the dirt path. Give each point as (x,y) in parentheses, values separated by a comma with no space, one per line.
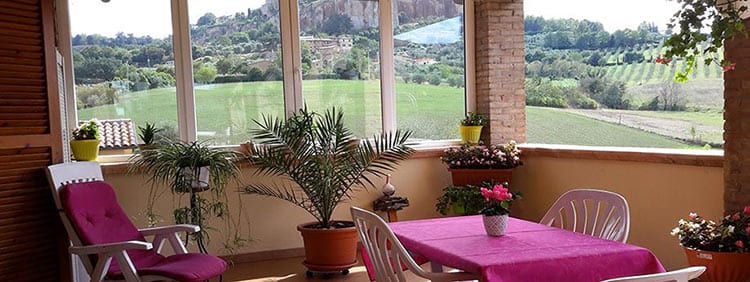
(679,129)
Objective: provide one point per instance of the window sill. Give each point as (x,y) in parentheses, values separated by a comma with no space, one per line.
(706,158)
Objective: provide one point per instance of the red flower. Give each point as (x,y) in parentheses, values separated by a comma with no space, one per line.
(729,67)
(739,244)
(747,210)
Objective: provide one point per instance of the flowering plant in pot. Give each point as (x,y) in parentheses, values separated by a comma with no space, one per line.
(460,200)
(475,164)
(85,143)
(497,200)
(471,127)
(724,247)
(326,163)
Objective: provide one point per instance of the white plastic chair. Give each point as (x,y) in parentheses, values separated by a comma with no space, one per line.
(96,259)
(387,254)
(598,213)
(680,275)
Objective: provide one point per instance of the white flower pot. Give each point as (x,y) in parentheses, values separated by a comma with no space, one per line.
(199,183)
(495,225)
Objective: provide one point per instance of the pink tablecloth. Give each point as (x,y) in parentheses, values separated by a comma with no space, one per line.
(528,252)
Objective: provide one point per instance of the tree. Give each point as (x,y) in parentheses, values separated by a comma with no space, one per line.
(206,19)
(557,40)
(418,78)
(434,79)
(337,24)
(670,97)
(204,73)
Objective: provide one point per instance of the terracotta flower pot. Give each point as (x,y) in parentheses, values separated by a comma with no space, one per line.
(329,250)
(721,266)
(475,176)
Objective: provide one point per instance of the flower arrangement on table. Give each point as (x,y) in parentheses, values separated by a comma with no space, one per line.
(480,156)
(497,200)
(732,234)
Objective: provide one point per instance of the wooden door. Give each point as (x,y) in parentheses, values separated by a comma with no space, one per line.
(31,237)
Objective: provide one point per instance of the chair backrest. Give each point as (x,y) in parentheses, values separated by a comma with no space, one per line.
(599,213)
(60,175)
(385,250)
(680,275)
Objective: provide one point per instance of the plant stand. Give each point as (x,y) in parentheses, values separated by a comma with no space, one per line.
(390,205)
(196,217)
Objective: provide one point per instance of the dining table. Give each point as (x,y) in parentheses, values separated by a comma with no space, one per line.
(528,251)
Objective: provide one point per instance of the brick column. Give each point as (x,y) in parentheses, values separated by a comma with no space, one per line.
(500,69)
(737,125)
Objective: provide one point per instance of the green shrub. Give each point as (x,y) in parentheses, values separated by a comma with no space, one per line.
(89,96)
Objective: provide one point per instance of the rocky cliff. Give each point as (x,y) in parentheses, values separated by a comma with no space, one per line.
(364,13)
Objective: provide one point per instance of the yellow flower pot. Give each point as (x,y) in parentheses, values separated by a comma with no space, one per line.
(85,150)
(470,133)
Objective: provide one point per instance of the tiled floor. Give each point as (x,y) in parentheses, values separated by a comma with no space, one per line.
(291,269)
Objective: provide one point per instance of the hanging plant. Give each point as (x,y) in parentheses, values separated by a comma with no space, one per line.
(694,39)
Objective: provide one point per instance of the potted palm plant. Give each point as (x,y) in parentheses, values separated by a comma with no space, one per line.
(325,164)
(189,168)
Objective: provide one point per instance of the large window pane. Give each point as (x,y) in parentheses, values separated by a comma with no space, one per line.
(124,66)
(592,78)
(429,65)
(340,58)
(236,66)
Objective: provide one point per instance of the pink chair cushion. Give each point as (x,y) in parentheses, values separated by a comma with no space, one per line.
(97,217)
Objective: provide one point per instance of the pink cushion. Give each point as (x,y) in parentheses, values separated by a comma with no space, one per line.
(182,267)
(97,217)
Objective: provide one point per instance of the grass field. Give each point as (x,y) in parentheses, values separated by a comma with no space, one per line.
(554,126)
(225,112)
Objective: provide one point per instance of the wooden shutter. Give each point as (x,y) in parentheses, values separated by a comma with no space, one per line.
(30,140)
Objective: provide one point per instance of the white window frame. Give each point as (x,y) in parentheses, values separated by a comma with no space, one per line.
(291,60)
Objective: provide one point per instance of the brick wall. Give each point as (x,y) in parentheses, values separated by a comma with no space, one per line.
(500,69)
(737,125)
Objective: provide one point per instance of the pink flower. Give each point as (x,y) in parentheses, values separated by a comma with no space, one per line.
(729,67)
(747,230)
(693,215)
(747,210)
(736,216)
(739,244)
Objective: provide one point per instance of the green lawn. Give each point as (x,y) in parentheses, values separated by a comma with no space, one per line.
(225,112)
(552,126)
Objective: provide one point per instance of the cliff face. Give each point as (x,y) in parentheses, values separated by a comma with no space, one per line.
(364,13)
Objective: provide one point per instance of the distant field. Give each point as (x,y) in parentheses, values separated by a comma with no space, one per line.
(554,126)
(225,112)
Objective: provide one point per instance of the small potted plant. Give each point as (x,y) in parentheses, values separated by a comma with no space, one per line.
(460,200)
(475,164)
(148,133)
(471,127)
(724,248)
(497,200)
(85,143)
(189,168)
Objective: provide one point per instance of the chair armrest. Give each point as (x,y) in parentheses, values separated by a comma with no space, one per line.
(110,247)
(161,230)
